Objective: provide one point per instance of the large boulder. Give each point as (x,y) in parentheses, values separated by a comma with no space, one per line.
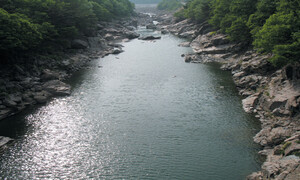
(12,100)
(250,102)
(57,87)
(188,34)
(109,37)
(151,26)
(149,38)
(131,35)
(49,75)
(41,97)
(117,51)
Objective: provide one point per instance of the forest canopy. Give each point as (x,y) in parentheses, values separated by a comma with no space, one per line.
(169,5)
(271,26)
(50,25)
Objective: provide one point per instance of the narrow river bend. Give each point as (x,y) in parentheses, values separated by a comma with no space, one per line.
(142,114)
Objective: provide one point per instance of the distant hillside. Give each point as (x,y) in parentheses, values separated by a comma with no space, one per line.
(146,1)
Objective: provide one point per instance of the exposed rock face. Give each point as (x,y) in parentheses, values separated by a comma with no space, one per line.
(272,95)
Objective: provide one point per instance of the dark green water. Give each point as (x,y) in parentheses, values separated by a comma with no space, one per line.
(144,115)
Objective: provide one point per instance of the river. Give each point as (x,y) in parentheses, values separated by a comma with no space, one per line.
(142,114)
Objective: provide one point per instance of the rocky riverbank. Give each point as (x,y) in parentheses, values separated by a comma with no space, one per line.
(25,85)
(272,95)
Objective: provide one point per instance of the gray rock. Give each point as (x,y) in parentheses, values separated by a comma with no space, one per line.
(100,27)
(188,34)
(41,97)
(37,88)
(131,28)
(49,75)
(164,31)
(97,42)
(26,82)
(66,62)
(117,51)
(250,102)
(57,88)
(12,100)
(109,37)
(149,38)
(191,58)
(151,26)
(4,140)
(79,44)
(131,35)
(184,44)
(255,176)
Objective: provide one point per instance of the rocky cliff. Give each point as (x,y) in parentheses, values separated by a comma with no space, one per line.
(272,95)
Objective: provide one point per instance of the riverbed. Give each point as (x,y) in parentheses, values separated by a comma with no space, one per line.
(142,114)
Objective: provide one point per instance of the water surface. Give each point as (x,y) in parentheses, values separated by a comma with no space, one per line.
(142,114)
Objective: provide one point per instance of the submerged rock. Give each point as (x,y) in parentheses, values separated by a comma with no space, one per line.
(117,51)
(149,38)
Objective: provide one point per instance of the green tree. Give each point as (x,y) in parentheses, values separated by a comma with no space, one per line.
(17,33)
(198,10)
(265,8)
(101,13)
(169,5)
(220,8)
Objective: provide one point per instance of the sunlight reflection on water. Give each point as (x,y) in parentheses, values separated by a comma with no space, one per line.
(146,115)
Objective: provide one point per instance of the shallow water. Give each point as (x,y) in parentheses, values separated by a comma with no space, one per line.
(142,114)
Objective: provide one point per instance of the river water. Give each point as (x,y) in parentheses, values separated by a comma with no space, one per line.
(142,114)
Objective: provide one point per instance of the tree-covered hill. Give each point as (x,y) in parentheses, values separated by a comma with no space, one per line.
(45,26)
(169,5)
(271,26)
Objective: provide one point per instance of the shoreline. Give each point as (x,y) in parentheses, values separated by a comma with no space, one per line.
(272,95)
(26,85)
